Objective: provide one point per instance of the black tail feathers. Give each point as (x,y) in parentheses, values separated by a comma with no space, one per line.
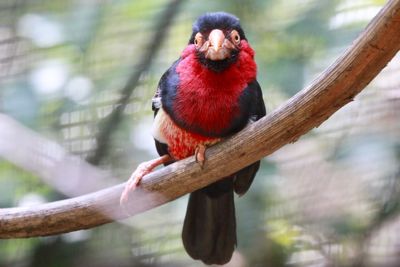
(209,230)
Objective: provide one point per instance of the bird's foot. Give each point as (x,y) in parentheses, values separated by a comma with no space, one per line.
(199,154)
(143,169)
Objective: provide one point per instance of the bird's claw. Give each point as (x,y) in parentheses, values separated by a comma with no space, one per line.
(143,169)
(132,183)
(200,155)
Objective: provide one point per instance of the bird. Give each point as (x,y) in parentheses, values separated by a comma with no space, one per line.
(210,93)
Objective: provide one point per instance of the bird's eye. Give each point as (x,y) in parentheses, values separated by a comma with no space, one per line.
(235,37)
(198,40)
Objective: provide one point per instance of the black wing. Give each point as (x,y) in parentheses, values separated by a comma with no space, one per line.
(163,97)
(245,176)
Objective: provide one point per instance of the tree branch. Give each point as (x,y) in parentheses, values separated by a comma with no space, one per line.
(334,88)
(66,173)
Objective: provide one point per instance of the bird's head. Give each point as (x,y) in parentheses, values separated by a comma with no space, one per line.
(218,39)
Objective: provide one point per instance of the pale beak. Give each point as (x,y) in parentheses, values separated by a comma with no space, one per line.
(216,39)
(217,47)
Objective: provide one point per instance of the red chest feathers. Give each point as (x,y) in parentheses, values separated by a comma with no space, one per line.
(209,100)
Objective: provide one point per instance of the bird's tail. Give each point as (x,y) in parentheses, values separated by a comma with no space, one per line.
(209,230)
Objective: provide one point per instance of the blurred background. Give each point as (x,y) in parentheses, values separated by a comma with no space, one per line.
(76,82)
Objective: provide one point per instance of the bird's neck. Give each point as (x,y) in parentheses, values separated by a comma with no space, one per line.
(242,70)
(207,100)
(197,78)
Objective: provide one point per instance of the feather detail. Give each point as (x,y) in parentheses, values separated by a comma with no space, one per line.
(208,101)
(181,143)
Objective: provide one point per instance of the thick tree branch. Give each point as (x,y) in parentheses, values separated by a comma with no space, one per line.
(334,88)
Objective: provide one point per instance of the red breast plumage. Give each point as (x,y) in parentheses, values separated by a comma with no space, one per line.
(206,99)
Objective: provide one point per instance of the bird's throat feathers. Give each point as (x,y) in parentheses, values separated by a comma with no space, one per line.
(245,63)
(208,101)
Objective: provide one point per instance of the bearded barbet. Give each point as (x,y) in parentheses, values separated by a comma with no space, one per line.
(208,94)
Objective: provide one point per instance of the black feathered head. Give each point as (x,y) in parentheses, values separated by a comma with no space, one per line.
(216,20)
(217,38)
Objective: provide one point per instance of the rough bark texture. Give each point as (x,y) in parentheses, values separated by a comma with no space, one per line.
(334,88)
